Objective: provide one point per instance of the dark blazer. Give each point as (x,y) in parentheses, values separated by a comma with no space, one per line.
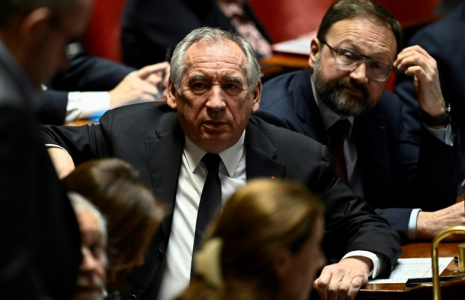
(85,73)
(443,40)
(149,137)
(149,27)
(40,253)
(397,176)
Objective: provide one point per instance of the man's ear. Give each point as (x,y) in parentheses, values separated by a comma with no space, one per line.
(256,97)
(34,27)
(282,262)
(171,95)
(314,50)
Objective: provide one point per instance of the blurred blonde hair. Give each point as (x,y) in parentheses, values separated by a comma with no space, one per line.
(261,218)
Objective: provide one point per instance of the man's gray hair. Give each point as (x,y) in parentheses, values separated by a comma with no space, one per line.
(79,204)
(214,35)
(11,8)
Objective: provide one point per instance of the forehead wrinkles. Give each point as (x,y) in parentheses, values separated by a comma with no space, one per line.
(223,58)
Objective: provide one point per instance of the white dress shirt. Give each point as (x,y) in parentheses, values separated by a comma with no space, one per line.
(85,105)
(192,177)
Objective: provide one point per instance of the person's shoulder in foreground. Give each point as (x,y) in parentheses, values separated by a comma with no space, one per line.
(40,254)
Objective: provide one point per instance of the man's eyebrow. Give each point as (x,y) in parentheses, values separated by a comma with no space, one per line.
(196,77)
(235,80)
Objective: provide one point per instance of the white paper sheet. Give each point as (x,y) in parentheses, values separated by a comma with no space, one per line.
(413,268)
(297,46)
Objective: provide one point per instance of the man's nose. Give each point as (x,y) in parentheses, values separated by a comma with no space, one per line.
(360,72)
(216,100)
(89,262)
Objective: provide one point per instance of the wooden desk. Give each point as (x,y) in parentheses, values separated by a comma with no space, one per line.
(280,63)
(452,289)
(286,60)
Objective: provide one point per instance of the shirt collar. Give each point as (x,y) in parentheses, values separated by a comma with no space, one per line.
(27,86)
(230,157)
(328,115)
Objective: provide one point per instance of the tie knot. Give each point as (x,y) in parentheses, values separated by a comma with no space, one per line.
(212,162)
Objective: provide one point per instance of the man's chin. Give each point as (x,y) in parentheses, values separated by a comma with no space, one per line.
(350,105)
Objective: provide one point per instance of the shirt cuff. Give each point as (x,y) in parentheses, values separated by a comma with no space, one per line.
(444,134)
(82,105)
(378,261)
(412,224)
(55,146)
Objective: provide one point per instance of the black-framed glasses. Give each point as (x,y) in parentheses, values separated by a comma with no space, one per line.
(349,60)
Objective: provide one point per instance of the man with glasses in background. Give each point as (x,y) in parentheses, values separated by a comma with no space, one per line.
(341,102)
(40,253)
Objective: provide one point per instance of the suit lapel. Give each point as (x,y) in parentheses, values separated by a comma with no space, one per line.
(306,108)
(164,160)
(260,155)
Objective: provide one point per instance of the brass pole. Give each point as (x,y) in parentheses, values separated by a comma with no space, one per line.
(434,256)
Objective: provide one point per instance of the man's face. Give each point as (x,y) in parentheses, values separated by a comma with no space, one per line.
(351,93)
(91,278)
(214,106)
(48,54)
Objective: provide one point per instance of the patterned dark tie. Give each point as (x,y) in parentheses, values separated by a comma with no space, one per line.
(210,200)
(337,134)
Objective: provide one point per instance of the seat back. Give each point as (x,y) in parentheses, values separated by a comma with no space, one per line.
(103,35)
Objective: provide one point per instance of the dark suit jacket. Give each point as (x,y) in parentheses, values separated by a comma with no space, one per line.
(149,27)
(443,40)
(397,176)
(86,73)
(40,253)
(149,137)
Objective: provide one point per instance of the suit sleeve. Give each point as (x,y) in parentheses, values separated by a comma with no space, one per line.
(435,157)
(85,73)
(90,73)
(52,109)
(350,223)
(398,218)
(83,143)
(404,87)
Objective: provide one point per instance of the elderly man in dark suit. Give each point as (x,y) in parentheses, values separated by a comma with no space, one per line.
(214,87)
(40,253)
(350,62)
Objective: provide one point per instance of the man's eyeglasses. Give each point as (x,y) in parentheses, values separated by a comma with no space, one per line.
(346,59)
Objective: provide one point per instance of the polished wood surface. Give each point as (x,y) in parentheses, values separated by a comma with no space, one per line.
(286,60)
(280,63)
